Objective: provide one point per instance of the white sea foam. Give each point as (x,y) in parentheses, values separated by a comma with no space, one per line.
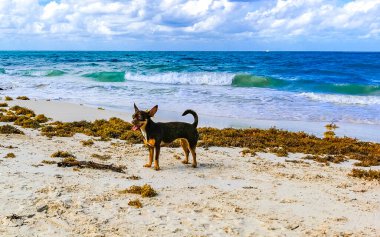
(344,99)
(195,78)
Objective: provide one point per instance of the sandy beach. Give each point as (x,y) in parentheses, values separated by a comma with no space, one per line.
(190,118)
(229,194)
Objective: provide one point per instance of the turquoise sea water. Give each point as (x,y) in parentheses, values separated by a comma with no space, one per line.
(307,86)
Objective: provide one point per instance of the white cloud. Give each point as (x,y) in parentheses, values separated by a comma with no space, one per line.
(318,18)
(190,18)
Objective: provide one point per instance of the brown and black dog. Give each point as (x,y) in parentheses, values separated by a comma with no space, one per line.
(157,134)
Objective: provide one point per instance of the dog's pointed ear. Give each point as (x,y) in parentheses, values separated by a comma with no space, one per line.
(136,109)
(153,111)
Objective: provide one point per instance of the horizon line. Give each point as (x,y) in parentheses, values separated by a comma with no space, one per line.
(265,51)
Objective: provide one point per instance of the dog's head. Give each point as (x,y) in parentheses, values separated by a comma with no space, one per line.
(140,118)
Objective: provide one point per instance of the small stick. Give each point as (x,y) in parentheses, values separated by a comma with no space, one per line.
(90,164)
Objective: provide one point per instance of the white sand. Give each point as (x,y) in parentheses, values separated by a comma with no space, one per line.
(229,194)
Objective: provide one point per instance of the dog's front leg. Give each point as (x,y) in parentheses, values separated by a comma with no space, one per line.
(151,153)
(156,162)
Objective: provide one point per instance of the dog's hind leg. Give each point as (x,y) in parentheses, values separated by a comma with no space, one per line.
(151,153)
(156,162)
(185,147)
(194,155)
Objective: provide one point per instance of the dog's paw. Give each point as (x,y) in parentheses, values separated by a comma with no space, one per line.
(148,165)
(156,168)
(194,165)
(185,162)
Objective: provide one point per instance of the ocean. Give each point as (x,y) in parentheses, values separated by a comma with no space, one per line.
(292,86)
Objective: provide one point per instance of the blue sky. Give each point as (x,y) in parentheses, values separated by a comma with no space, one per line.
(339,25)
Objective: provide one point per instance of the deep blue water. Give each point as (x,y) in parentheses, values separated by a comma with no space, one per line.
(311,86)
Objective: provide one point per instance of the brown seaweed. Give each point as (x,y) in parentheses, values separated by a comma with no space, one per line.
(366,174)
(9,129)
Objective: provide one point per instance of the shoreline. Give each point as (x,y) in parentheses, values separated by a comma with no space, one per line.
(56,110)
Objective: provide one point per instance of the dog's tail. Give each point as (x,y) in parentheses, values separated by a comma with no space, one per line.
(192,112)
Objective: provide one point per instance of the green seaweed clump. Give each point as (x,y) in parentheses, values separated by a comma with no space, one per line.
(133,189)
(88,142)
(366,174)
(279,151)
(148,191)
(8,117)
(22,98)
(10,155)
(26,122)
(62,154)
(335,149)
(69,159)
(248,151)
(22,111)
(326,159)
(368,161)
(9,129)
(101,157)
(41,118)
(49,162)
(135,203)
(145,191)
(113,128)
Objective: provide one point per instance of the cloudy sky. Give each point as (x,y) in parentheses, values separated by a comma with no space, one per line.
(190,25)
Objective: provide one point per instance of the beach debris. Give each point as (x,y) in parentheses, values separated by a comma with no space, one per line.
(135,203)
(49,162)
(248,151)
(248,187)
(8,98)
(8,147)
(261,140)
(295,161)
(100,108)
(105,129)
(18,217)
(22,111)
(145,191)
(43,208)
(62,154)
(8,117)
(18,220)
(3,105)
(9,129)
(10,155)
(22,98)
(279,151)
(101,157)
(330,134)
(26,122)
(88,142)
(90,164)
(365,174)
(326,159)
(41,118)
(133,177)
(69,159)
(280,142)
